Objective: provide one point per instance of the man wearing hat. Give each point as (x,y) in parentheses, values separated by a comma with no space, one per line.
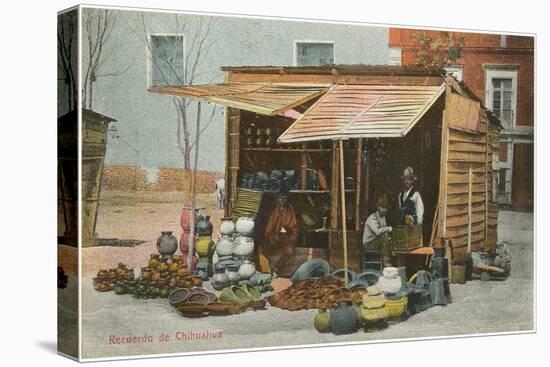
(411,206)
(375,234)
(280,236)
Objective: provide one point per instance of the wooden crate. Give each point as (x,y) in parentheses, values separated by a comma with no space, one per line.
(406,238)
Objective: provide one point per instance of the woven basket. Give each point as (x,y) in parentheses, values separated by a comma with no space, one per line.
(396,308)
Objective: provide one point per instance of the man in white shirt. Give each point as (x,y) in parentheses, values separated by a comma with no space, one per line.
(375,234)
(411,206)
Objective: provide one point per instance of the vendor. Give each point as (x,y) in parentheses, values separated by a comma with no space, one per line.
(411,206)
(281,235)
(375,234)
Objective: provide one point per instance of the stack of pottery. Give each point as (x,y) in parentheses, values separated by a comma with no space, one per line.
(390,281)
(391,286)
(185,222)
(204,247)
(233,251)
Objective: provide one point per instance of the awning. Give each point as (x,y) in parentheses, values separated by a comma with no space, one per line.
(264,98)
(363,111)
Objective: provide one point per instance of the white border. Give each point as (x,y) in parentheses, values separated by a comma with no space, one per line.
(313,20)
(79,183)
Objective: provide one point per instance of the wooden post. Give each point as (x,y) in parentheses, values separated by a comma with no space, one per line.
(334,188)
(359,143)
(366,184)
(344,225)
(303,169)
(442,199)
(470,209)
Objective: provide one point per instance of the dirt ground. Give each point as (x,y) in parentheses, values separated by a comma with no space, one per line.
(478,307)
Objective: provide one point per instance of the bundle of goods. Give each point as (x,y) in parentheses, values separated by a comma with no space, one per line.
(155,280)
(373,309)
(198,302)
(495,267)
(324,292)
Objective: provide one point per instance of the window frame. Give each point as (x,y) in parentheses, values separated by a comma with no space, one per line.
(451,68)
(149,55)
(296,42)
(502,72)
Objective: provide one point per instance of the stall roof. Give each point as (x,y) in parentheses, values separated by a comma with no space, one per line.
(362,111)
(262,98)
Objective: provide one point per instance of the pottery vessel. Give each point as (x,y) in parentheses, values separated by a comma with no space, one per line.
(245,225)
(322,321)
(243,246)
(205,247)
(224,246)
(204,226)
(220,280)
(227,227)
(185,219)
(390,282)
(167,244)
(247,269)
(343,319)
(232,273)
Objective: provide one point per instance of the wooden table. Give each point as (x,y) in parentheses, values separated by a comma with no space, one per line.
(403,255)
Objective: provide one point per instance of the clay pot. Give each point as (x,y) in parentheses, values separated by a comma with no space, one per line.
(245,225)
(232,273)
(343,320)
(227,227)
(322,321)
(204,226)
(243,246)
(205,246)
(224,246)
(184,243)
(185,219)
(220,280)
(247,269)
(167,244)
(196,281)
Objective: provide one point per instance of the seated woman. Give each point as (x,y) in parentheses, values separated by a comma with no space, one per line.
(375,234)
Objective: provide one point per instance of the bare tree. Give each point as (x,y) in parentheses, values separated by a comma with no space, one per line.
(66,54)
(100,25)
(170,72)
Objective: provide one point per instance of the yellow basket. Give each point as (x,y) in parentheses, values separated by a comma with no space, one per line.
(396,308)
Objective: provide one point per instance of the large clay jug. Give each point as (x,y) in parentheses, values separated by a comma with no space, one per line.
(343,319)
(204,226)
(322,321)
(167,244)
(185,219)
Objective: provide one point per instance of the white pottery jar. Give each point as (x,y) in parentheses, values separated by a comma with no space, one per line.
(247,269)
(232,273)
(245,225)
(244,246)
(224,246)
(227,227)
(390,281)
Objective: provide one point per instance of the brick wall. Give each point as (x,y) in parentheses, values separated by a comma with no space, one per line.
(132,178)
(480,49)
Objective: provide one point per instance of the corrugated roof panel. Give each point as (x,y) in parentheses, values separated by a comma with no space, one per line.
(262,98)
(361,111)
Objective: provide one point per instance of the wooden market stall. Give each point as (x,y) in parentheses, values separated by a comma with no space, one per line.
(355,128)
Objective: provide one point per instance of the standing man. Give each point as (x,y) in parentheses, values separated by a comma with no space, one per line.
(375,234)
(411,206)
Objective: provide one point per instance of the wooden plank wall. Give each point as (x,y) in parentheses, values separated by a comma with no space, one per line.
(470,215)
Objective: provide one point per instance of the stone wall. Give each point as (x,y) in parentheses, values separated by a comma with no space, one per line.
(133,178)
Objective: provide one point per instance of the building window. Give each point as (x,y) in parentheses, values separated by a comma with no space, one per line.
(455,71)
(166,57)
(501,92)
(314,53)
(395,56)
(502,181)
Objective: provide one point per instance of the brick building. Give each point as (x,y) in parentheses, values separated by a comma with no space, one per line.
(500,70)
